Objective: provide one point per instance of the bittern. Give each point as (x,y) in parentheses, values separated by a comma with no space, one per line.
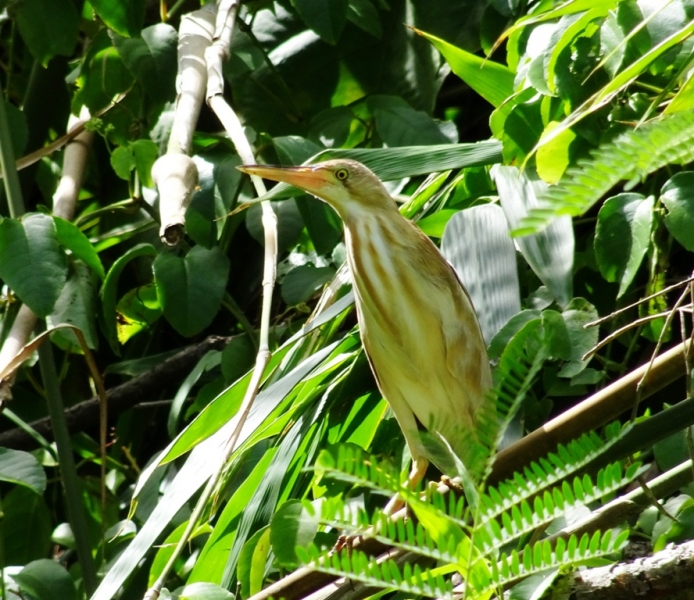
(416,320)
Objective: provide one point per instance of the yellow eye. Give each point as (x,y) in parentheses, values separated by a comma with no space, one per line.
(342,174)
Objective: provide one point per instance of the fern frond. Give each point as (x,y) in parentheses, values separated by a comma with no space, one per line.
(631,157)
(384,574)
(515,374)
(525,516)
(541,556)
(354,466)
(549,471)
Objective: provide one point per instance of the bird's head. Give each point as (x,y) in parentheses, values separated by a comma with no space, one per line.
(346,185)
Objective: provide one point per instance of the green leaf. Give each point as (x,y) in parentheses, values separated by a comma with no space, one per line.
(72,238)
(327,19)
(190,289)
(553,158)
(123,161)
(622,237)
(46,579)
(303,282)
(103,75)
(577,315)
(24,510)
(629,157)
(22,468)
(48,27)
(136,311)
(492,81)
(476,242)
(391,164)
(32,262)
(145,153)
(365,16)
(291,526)
(76,306)
(678,197)
(398,124)
(331,127)
(253,561)
(550,256)
(125,17)
(518,124)
(289,223)
(109,291)
(151,59)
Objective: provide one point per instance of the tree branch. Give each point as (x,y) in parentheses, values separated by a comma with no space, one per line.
(122,397)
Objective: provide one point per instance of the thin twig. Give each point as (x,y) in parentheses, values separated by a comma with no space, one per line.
(635,304)
(615,334)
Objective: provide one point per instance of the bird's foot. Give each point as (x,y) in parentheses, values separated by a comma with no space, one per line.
(346,542)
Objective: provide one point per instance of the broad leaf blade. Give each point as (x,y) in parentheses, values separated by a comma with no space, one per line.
(550,252)
(477,243)
(32,262)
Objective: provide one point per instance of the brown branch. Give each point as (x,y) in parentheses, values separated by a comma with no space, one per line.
(121,398)
(667,574)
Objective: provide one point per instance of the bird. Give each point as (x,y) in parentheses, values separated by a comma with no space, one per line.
(416,321)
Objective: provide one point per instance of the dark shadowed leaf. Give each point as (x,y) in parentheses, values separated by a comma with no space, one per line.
(32,262)
(124,17)
(22,468)
(46,579)
(622,237)
(151,59)
(291,526)
(190,289)
(48,27)
(327,19)
(303,282)
(76,306)
(678,198)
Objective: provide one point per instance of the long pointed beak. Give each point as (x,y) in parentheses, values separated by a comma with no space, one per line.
(307,178)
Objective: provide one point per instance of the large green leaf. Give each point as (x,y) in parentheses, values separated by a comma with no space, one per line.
(190,289)
(622,237)
(253,562)
(303,282)
(327,19)
(124,17)
(391,164)
(550,255)
(491,80)
(49,27)
(398,124)
(109,291)
(476,242)
(291,526)
(70,236)
(46,579)
(32,262)
(76,306)
(25,511)
(151,59)
(678,197)
(22,468)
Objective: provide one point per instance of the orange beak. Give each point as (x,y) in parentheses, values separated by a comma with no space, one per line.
(307,178)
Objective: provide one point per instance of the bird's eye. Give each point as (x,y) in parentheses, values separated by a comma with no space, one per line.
(342,174)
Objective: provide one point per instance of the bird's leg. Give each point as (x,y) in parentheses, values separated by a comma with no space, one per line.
(420,464)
